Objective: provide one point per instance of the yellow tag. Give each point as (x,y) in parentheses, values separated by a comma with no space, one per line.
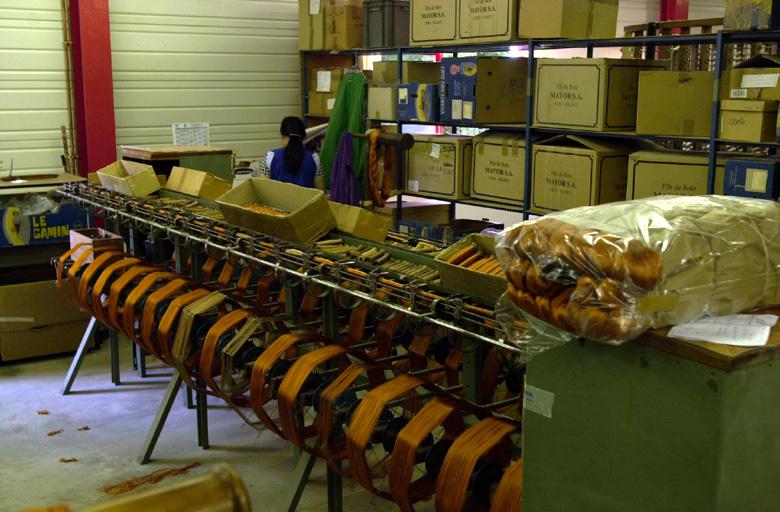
(756,179)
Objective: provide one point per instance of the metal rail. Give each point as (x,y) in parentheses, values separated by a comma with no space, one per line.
(417,300)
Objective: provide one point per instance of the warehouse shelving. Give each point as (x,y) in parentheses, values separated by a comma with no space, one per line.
(650,43)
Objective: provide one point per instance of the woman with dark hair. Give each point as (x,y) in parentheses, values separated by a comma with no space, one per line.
(293,163)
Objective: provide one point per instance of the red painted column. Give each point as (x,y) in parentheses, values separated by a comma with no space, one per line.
(93,84)
(673,10)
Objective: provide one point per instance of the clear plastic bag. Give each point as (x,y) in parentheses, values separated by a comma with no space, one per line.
(612,271)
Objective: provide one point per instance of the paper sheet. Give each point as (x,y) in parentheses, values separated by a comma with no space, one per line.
(323,80)
(737,330)
(191,134)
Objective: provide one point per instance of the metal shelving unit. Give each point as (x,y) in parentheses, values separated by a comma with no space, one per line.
(649,43)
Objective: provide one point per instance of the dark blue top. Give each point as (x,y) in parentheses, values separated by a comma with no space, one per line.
(305,175)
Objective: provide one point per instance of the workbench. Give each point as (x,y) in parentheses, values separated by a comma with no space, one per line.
(657,424)
(217,161)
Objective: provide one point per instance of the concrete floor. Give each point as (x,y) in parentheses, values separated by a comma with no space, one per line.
(118,418)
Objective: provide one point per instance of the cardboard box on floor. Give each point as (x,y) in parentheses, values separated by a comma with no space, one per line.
(498,173)
(129,178)
(321,103)
(570,171)
(483,90)
(343,25)
(311,28)
(755,79)
(386,72)
(433,22)
(197,183)
(589,94)
(309,216)
(382,103)
(675,103)
(657,173)
(748,120)
(483,286)
(326,79)
(31,327)
(439,166)
(570,19)
(483,21)
(360,222)
(752,15)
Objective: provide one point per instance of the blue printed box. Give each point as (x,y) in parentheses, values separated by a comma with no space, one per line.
(47,228)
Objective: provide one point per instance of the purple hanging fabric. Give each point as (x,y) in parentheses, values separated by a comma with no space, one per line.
(344,188)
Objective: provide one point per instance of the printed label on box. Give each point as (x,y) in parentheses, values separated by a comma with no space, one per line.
(330,103)
(403,95)
(413,185)
(468,110)
(457,109)
(758,81)
(538,400)
(738,93)
(323,80)
(314,7)
(756,180)
(435,150)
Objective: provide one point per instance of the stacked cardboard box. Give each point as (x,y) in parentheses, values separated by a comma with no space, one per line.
(498,174)
(418,102)
(675,103)
(439,166)
(683,173)
(571,19)
(330,24)
(574,171)
(753,177)
(483,90)
(383,103)
(386,72)
(589,94)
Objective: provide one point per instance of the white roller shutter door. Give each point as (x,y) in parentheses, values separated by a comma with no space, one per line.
(231,63)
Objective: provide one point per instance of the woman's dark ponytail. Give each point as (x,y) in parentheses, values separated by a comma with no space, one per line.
(294,129)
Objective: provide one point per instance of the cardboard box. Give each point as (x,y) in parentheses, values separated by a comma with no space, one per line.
(197,183)
(47,228)
(386,72)
(484,21)
(498,173)
(439,166)
(383,103)
(309,216)
(360,222)
(129,178)
(326,80)
(311,28)
(433,22)
(31,327)
(482,90)
(569,19)
(419,210)
(682,173)
(343,25)
(469,282)
(753,177)
(589,94)
(675,103)
(98,239)
(321,103)
(748,120)
(752,15)
(572,171)
(418,102)
(755,79)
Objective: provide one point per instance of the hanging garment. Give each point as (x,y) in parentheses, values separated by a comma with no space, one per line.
(344,187)
(348,116)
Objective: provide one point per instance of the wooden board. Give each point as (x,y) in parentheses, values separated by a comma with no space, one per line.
(724,357)
(170,152)
(25,185)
